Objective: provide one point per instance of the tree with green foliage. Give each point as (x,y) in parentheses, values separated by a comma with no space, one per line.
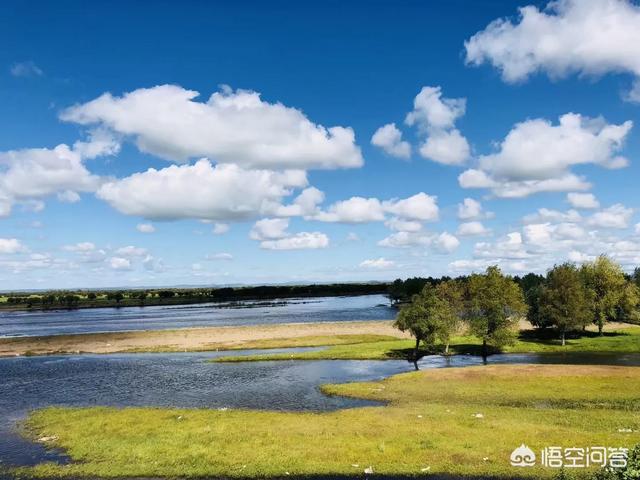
(432,315)
(629,301)
(396,291)
(450,312)
(565,302)
(495,305)
(605,279)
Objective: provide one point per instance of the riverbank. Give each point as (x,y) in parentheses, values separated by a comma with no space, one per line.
(451,421)
(617,338)
(205,339)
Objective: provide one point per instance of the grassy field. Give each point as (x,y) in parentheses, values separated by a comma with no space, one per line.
(455,421)
(622,341)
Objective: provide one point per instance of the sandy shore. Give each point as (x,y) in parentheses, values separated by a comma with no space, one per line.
(188,339)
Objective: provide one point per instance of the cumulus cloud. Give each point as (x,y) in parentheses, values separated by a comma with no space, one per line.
(403,225)
(435,117)
(616,216)
(298,241)
(131,251)
(235,127)
(589,37)
(419,207)
(474,228)
(201,191)
(441,243)
(269,229)
(273,235)
(305,204)
(377,263)
(471,209)
(81,247)
(11,245)
(447,147)
(584,201)
(389,139)
(119,263)
(30,175)
(536,156)
(145,228)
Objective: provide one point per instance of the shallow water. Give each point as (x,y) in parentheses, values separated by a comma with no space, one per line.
(187,380)
(323,309)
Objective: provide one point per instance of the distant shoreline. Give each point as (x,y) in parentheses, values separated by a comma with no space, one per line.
(88,299)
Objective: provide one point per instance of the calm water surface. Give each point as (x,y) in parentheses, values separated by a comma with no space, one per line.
(324,309)
(187,380)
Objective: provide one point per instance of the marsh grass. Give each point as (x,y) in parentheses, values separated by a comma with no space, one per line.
(428,422)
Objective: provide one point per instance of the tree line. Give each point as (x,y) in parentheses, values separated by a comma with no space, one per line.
(490,305)
(177,296)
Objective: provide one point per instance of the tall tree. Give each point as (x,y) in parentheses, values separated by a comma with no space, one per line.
(495,305)
(419,319)
(564,301)
(605,279)
(450,311)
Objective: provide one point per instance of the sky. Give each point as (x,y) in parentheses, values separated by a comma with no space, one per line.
(216,143)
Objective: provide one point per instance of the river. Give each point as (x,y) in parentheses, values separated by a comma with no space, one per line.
(92,320)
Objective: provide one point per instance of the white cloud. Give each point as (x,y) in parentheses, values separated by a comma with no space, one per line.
(353,210)
(81,247)
(145,228)
(298,241)
(469,229)
(471,209)
(30,175)
(403,225)
(202,191)
(446,147)
(377,263)
(548,215)
(589,37)
(420,206)
(306,204)
(68,196)
(389,139)
(616,216)
(131,251)
(442,243)
(446,243)
(432,111)
(269,229)
(406,239)
(11,245)
(219,256)
(230,127)
(119,263)
(220,228)
(583,200)
(536,156)
(26,69)
(435,117)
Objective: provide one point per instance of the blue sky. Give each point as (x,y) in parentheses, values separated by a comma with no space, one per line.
(477,103)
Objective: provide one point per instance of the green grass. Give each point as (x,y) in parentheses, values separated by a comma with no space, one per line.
(623,341)
(428,422)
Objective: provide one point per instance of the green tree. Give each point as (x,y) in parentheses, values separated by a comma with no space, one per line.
(450,310)
(418,318)
(628,306)
(495,305)
(605,279)
(396,291)
(565,302)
